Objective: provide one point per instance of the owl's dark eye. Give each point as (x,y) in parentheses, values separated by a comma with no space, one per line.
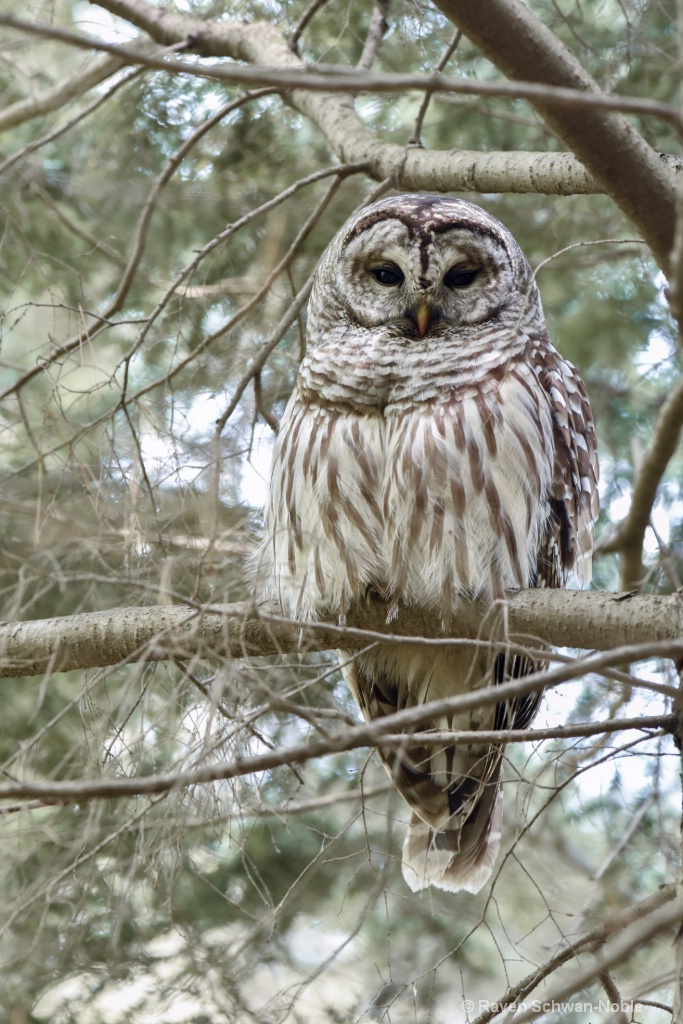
(457,278)
(388,276)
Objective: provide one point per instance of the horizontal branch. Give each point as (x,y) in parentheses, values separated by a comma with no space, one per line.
(566,618)
(338,78)
(578,730)
(380,731)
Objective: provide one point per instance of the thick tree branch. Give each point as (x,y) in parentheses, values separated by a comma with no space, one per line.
(523,48)
(593,620)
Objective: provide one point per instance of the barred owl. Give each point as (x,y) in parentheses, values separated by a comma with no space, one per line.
(436,447)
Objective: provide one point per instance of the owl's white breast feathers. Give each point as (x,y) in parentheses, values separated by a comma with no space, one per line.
(424,505)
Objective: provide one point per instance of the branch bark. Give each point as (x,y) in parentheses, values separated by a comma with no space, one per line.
(594,620)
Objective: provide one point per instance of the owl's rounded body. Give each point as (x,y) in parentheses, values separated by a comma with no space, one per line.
(435,446)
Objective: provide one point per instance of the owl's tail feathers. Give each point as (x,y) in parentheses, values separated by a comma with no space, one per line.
(456,858)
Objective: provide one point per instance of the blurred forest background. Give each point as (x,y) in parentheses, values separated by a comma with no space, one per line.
(158,231)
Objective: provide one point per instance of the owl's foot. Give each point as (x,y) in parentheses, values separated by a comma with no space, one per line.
(375,592)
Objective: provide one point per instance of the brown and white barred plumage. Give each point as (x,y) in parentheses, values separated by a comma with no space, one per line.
(436,445)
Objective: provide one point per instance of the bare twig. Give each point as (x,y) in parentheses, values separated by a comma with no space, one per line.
(261,357)
(261,408)
(614,996)
(610,926)
(101,319)
(376,32)
(172,165)
(616,950)
(416,138)
(56,133)
(304,21)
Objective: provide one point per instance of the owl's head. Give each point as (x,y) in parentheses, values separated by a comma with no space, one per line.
(421,267)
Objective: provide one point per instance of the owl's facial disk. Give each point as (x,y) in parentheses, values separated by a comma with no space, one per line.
(423,282)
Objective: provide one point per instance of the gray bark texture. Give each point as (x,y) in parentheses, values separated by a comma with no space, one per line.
(585,620)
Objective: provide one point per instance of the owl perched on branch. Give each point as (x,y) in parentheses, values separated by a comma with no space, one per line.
(435,446)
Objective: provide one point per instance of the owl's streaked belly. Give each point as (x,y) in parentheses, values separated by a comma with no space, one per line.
(421,505)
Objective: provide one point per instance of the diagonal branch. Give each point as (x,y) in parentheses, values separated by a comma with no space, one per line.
(523,48)
(616,951)
(61,93)
(596,937)
(628,538)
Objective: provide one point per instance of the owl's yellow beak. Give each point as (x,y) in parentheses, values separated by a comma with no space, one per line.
(422,317)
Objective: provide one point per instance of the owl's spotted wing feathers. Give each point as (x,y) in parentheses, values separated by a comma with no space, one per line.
(435,446)
(574,491)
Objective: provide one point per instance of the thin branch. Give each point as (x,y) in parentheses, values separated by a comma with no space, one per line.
(62,129)
(629,536)
(72,344)
(304,21)
(616,951)
(261,358)
(378,732)
(172,165)
(625,838)
(376,31)
(659,723)
(60,94)
(610,926)
(416,137)
(247,813)
(262,410)
(614,996)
